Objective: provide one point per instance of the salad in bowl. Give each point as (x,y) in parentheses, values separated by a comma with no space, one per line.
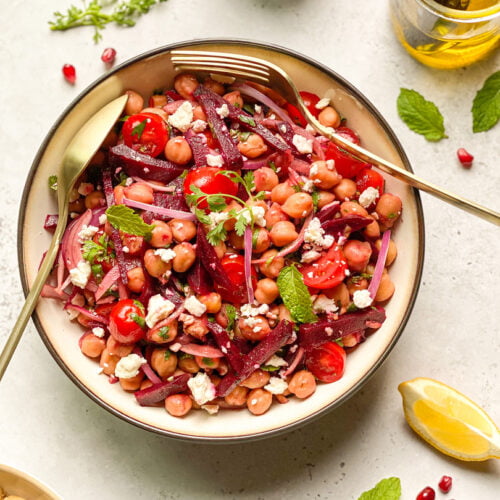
(223,255)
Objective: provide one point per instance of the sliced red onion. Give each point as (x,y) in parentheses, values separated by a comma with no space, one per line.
(301,166)
(254,164)
(109,279)
(205,351)
(89,314)
(147,370)
(259,96)
(60,270)
(51,292)
(155,187)
(296,360)
(380,264)
(247,241)
(96,214)
(174,214)
(70,246)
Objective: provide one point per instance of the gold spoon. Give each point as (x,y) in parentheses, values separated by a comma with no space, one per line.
(75,159)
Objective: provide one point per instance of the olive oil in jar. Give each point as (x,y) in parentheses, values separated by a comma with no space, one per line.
(447,34)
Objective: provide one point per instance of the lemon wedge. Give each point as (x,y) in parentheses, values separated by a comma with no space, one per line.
(449,421)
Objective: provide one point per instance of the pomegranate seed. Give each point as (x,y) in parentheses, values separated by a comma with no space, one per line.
(69,73)
(445,484)
(427,494)
(465,158)
(108,55)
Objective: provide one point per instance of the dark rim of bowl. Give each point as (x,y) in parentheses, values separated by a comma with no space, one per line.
(271,432)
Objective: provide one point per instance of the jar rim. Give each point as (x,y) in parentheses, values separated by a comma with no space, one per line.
(467,16)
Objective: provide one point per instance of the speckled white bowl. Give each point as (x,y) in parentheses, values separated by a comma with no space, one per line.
(144,74)
(16,482)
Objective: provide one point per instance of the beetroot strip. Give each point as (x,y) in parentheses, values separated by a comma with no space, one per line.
(336,227)
(158,392)
(227,346)
(199,149)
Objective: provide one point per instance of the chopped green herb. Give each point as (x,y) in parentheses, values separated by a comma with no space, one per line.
(125,219)
(163,332)
(53,182)
(231,316)
(297,188)
(211,319)
(167,355)
(97,270)
(249,108)
(138,319)
(272,166)
(387,489)
(95,252)
(247,119)
(270,368)
(351,308)
(207,361)
(140,305)
(139,129)
(315,199)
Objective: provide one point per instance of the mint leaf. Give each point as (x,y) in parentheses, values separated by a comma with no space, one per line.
(295,295)
(486,104)
(387,489)
(421,116)
(125,219)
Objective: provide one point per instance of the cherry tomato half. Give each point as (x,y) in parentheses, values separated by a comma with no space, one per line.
(234,265)
(310,100)
(125,321)
(295,115)
(345,164)
(369,178)
(348,133)
(146,133)
(210,181)
(326,362)
(327,272)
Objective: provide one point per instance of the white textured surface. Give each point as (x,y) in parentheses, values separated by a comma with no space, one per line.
(48,427)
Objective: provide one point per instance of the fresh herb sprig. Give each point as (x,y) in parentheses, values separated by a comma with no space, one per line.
(97,13)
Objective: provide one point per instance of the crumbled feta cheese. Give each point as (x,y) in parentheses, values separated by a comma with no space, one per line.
(310,256)
(368,196)
(165,254)
(247,310)
(217,217)
(86,233)
(251,322)
(258,215)
(201,388)
(103,219)
(258,108)
(80,274)
(129,181)
(313,170)
(330,164)
(283,128)
(223,111)
(182,117)
(85,188)
(194,306)
(158,308)
(199,126)
(323,103)
(362,299)
(315,235)
(128,366)
(308,186)
(125,249)
(303,145)
(276,385)
(324,304)
(98,332)
(310,129)
(211,409)
(215,160)
(276,361)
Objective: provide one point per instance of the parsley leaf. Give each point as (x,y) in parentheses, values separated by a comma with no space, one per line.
(231,316)
(139,129)
(486,104)
(94,252)
(53,182)
(387,489)
(125,219)
(421,116)
(295,295)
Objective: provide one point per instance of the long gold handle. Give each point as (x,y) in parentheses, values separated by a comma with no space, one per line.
(34,293)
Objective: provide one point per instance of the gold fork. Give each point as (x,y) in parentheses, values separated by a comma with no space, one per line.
(266,73)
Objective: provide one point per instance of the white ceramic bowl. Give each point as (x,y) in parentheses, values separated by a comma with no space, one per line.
(154,70)
(16,482)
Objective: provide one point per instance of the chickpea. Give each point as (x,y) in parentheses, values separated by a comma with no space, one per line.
(135,103)
(355,285)
(199,114)
(253,146)
(154,265)
(157,111)
(182,230)
(178,405)
(92,346)
(392,251)
(357,254)
(265,179)
(139,192)
(281,192)
(221,316)
(95,199)
(298,205)
(118,194)
(388,209)
(145,384)
(351,339)
(236,241)
(257,330)
(220,249)
(157,101)
(117,348)
(161,235)
(237,397)
(77,206)
(284,313)
(178,150)
(108,362)
(163,333)
(372,231)
(207,363)
(283,233)
(132,383)
(345,189)
(259,378)
(352,207)
(197,328)
(234,98)
(185,256)
(259,401)
(325,198)
(385,289)
(274,215)
(134,243)
(214,86)
(302,384)
(329,117)
(262,241)
(340,294)
(188,364)
(323,176)
(185,84)
(267,291)
(163,362)
(271,268)
(136,279)
(212,301)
